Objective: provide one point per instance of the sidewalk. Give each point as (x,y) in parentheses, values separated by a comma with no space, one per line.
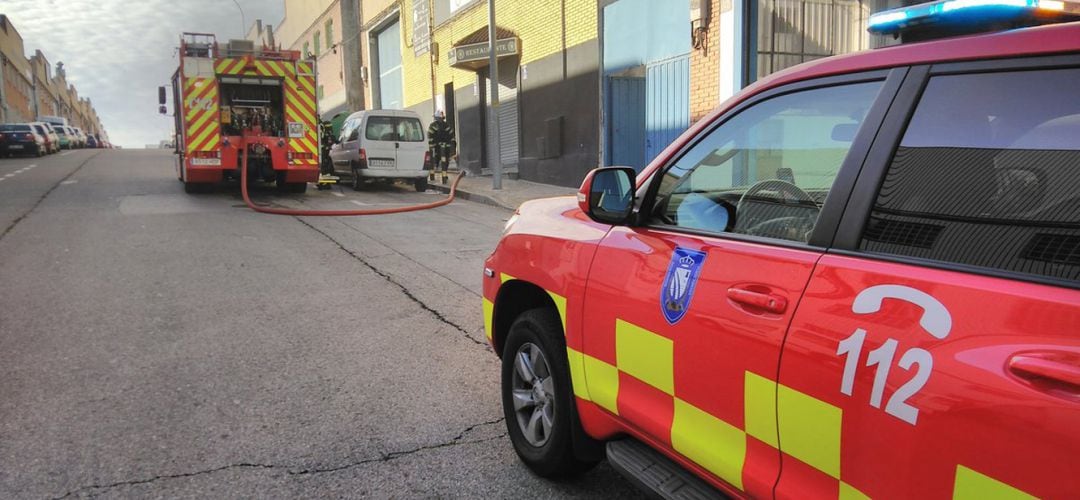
(513,193)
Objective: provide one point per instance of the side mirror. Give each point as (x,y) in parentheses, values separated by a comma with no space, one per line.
(607,194)
(161,95)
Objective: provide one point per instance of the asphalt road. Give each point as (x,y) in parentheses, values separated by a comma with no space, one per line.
(159,344)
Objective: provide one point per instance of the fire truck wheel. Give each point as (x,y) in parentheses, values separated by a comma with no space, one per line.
(420,185)
(537,396)
(297,187)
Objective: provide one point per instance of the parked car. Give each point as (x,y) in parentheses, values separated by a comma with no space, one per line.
(52,141)
(20,139)
(91,141)
(858,278)
(67,141)
(80,137)
(383,145)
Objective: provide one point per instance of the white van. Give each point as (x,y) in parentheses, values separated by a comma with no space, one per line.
(382,144)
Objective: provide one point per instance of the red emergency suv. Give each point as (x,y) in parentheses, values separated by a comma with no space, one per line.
(858,278)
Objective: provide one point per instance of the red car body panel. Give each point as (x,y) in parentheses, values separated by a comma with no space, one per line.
(983,407)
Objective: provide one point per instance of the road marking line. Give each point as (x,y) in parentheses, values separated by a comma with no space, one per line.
(340,195)
(69,182)
(362,204)
(65,153)
(9,175)
(31,166)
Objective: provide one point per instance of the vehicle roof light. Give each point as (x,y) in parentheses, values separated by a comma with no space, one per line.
(954,17)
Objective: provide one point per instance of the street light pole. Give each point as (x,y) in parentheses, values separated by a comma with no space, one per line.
(493,66)
(243,20)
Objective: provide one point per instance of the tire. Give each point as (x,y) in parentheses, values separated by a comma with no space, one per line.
(420,184)
(297,187)
(547,449)
(357,182)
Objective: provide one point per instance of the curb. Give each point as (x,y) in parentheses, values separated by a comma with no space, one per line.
(473,197)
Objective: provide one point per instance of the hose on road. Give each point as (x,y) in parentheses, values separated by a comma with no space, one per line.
(338,213)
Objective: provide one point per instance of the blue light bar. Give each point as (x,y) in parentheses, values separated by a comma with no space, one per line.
(946,11)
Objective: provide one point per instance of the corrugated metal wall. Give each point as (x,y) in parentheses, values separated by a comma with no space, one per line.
(627,105)
(667,103)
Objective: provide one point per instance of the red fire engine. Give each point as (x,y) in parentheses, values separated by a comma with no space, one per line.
(228,98)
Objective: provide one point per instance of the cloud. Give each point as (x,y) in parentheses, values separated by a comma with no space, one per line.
(117,52)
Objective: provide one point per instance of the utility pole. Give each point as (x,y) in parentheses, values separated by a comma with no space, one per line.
(493,66)
(350,41)
(243,21)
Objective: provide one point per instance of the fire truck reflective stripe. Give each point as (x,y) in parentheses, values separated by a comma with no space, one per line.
(213,143)
(197,88)
(970,484)
(716,445)
(503,278)
(576,360)
(300,98)
(645,356)
(489,316)
(303,68)
(759,407)
(848,492)
(603,383)
(809,430)
(204,137)
(200,119)
(308,84)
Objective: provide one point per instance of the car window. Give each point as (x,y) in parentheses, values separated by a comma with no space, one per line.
(381,128)
(987,174)
(410,130)
(774,163)
(14,128)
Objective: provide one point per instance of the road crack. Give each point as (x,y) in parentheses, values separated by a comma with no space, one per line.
(46,195)
(383,457)
(404,289)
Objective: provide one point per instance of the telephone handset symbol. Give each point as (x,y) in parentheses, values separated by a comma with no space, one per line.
(936,319)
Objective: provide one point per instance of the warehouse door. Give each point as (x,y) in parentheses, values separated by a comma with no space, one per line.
(667,103)
(506,148)
(627,121)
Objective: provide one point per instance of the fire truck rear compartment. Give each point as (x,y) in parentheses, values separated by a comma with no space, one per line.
(256,105)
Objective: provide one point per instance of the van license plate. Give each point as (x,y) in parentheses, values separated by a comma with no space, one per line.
(381,163)
(15,146)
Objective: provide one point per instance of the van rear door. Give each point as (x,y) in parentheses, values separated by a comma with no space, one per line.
(411,143)
(380,142)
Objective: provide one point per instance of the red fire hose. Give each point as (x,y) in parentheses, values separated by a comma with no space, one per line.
(337,213)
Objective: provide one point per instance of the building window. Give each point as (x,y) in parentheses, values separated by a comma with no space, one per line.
(318,45)
(307,50)
(329,33)
(790,32)
(319,92)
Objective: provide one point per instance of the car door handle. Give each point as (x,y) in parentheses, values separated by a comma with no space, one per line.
(1061,368)
(770,302)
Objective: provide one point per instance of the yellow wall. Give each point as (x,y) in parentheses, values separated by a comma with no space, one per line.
(537,24)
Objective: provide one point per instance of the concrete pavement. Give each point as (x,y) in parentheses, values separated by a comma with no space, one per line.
(156,344)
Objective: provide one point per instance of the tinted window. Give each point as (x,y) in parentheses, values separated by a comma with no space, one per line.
(774,163)
(988,174)
(14,128)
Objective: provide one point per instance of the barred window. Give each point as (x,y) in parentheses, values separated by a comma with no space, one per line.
(988,175)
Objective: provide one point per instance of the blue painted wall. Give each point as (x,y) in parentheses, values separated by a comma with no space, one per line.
(637,32)
(645,33)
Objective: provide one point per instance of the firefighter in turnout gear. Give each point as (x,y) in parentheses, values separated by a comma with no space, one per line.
(442,144)
(326,133)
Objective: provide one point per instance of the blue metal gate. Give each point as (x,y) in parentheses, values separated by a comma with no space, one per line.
(627,107)
(667,103)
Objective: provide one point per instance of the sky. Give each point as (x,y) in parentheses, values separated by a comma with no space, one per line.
(118,52)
